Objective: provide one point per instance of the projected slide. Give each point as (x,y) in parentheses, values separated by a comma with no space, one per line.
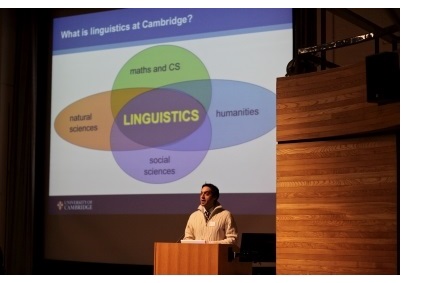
(155,102)
(160,130)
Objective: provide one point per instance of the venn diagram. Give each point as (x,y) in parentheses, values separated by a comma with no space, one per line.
(164,114)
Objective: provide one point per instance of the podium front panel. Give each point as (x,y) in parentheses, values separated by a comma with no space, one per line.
(204,259)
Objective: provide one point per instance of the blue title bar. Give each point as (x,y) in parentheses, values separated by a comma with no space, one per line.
(141,25)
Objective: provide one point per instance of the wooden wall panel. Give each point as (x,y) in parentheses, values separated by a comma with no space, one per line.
(337,176)
(329,103)
(336,210)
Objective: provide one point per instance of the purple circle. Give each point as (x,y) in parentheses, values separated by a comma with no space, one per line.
(160,153)
(160,117)
(167,164)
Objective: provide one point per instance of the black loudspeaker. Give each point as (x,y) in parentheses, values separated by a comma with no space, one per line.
(383,78)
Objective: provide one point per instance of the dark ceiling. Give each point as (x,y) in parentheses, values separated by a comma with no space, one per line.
(383,22)
(343,36)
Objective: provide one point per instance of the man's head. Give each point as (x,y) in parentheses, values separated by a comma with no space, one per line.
(209,195)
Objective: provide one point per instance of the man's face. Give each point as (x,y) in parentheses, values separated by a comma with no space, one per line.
(206,197)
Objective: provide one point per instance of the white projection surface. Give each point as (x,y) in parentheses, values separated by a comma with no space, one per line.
(149,104)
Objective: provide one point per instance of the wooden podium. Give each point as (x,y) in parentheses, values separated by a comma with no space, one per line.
(209,259)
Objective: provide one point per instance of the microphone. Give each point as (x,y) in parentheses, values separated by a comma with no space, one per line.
(181,238)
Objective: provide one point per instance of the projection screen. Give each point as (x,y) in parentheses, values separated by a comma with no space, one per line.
(149,104)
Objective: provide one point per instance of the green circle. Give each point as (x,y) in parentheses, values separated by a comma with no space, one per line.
(167,66)
(159,66)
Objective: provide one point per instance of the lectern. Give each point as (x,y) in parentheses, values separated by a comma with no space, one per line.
(208,259)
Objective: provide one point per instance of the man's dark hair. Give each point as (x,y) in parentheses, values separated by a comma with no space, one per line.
(213,188)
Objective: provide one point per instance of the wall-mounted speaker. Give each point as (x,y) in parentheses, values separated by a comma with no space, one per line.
(383,77)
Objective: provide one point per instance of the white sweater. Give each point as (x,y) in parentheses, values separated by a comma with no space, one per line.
(221,227)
